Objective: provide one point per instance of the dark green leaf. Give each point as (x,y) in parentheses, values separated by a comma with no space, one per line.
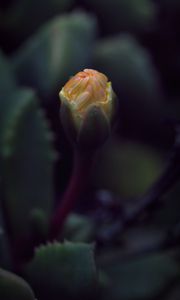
(7,80)
(78,228)
(12,287)
(139,278)
(136,82)
(63,270)
(27,161)
(127,169)
(17,23)
(60,49)
(129,15)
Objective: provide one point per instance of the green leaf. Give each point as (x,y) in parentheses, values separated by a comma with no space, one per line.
(28,157)
(63,271)
(139,278)
(127,169)
(7,79)
(16,20)
(13,287)
(136,82)
(61,48)
(7,87)
(78,228)
(129,67)
(126,15)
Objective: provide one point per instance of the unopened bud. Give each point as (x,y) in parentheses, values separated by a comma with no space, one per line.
(87,108)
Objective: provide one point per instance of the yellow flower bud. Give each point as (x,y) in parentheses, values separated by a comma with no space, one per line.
(87,105)
(87,88)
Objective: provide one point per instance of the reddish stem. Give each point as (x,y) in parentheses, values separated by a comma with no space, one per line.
(76,187)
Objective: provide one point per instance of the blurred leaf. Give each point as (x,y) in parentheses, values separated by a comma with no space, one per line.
(128,65)
(39,223)
(7,79)
(139,278)
(27,160)
(60,49)
(7,87)
(127,169)
(13,287)
(78,228)
(136,82)
(63,271)
(16,20)
(129,15)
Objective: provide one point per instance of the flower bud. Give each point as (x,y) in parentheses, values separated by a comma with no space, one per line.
(87,108)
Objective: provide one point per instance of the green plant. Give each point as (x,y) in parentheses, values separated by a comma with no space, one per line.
(114,233)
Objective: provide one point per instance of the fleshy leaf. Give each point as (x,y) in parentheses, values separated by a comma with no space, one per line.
(139,278)
(63,271)
(14,287)
(7,87)
(135,167)
(61,48)
(136,82)
(7,79)
(78,228)
(27,155)
(16,22)
(124,15)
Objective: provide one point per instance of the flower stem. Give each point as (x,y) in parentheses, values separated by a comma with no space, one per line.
(78,182)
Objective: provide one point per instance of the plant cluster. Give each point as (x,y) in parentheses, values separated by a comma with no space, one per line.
(113,231)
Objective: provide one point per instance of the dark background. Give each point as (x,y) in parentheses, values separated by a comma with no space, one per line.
(136,43)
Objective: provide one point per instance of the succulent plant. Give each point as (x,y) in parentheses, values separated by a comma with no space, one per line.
(108,229)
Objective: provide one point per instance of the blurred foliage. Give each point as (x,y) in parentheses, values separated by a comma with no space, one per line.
(142,278)
(134,167)
(18,19)
(14,287)
(127,15)
(136,43)
(71,271)
(79,228)
(20,116)
(136,81)
(47,58)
